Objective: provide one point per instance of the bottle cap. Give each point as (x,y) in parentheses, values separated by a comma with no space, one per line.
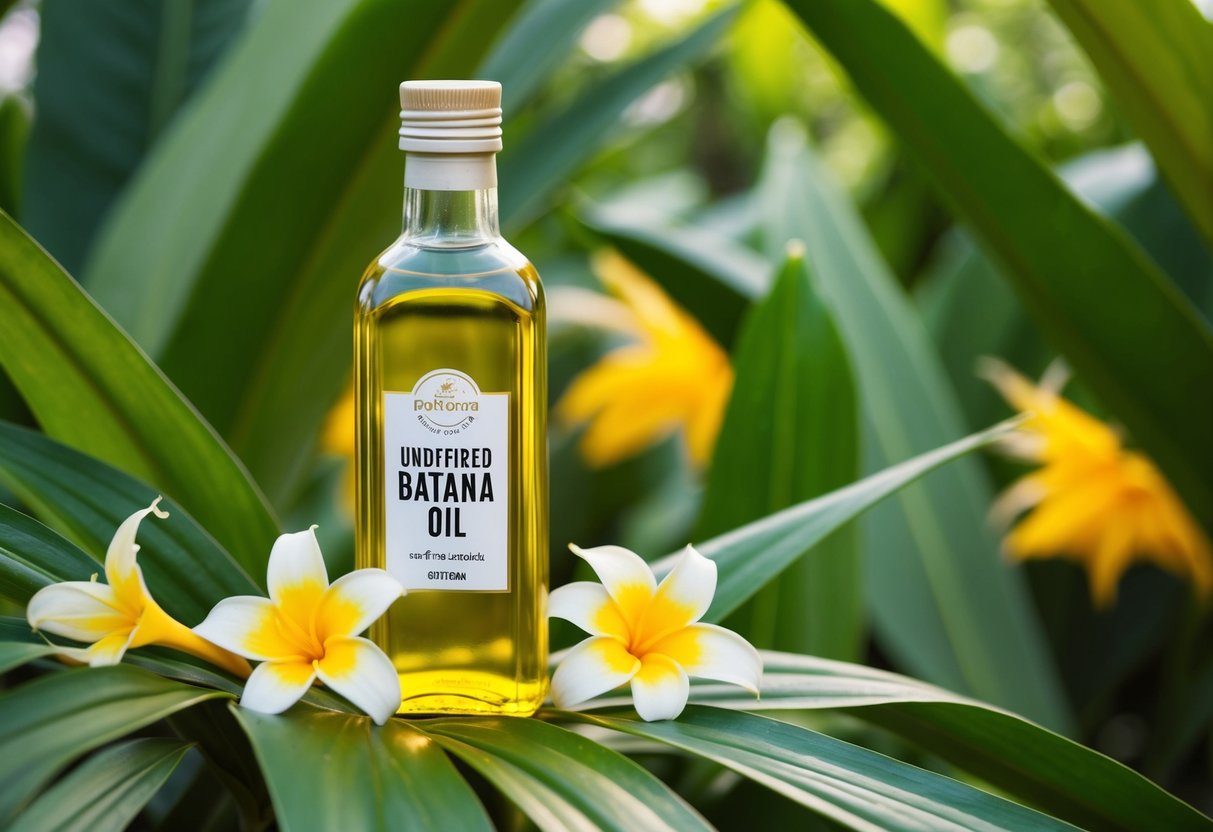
(450,116)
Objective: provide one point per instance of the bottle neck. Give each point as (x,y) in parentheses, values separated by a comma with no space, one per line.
(450,205)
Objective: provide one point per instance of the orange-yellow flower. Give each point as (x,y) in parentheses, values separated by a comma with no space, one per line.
(1091,499)
(671,376)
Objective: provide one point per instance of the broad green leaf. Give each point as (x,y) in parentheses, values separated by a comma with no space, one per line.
(107,791)
(562,780)
(92,388)
(791,432)
(1091,290)
(223,744)
(947,579)
(186,570)
(334,771)
(47,723)
(748,557)
(713,280)
(537,41)
(33,556)
(1012,754)
(851,785)
(139,62)
(1154,59)
(532,167)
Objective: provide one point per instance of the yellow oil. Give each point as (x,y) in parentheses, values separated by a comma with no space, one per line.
(479,312)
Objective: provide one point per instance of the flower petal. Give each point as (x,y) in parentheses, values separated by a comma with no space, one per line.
(121,570)
(626,576)
(109,650)
(248,626)
(296,576)
(275,686)
(354,601)
(660,689)
(590,669)
(683,597)
(706,651)
(363,674)
(81,610)
(589,606)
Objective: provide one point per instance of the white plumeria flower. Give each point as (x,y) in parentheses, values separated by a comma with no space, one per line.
(308,629)
(646,634)
(119,614)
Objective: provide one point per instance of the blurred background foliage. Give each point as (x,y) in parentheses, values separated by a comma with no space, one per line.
(216,174)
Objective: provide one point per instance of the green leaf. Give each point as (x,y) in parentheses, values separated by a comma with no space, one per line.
(139,62)
(15,120)
(537,41)
(47,723)
(748,557)
(92,388)
(791,432)
(186,570)
(846,783)
(944,600)
(254,324)
(532,167)
(15,654)
(562,780)
(1155,62)
(107,791)
(1012,754)
(1091,290)
(33,556)
(388,777)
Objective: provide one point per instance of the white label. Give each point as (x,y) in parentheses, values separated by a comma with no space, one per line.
(447,494)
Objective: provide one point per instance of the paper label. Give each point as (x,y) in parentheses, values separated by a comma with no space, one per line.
(447,495)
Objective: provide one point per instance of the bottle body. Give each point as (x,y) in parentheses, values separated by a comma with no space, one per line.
(451,404)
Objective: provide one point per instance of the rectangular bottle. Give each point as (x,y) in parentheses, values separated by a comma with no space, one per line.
(451,404)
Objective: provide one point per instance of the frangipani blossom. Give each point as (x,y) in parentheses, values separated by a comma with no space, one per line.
(121,613)
(1091,499)
(307,629)
(646,634)
(671,375)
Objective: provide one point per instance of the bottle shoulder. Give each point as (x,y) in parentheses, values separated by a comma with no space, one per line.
(496,267)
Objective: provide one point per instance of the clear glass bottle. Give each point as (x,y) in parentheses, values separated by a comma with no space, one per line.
(451,400)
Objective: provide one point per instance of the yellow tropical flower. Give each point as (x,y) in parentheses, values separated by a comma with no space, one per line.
(646,634)
(307,629)
(1091,499)
(120,614)
(337,438)
(671,376)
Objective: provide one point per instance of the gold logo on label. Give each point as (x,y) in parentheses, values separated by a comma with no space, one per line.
(446,401)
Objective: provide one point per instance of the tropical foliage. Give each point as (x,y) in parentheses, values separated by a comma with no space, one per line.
(777,239)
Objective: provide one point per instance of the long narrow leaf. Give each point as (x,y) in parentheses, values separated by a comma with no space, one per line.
(562,780)
(107,791)
(334,771)
(530,169)
(1088,286)
(47,723)
(850,785)
(87,500)
(92,388)
(139,63)
(1155,61)
(790,433)
(1017,756)
(747,557)
(943,594)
